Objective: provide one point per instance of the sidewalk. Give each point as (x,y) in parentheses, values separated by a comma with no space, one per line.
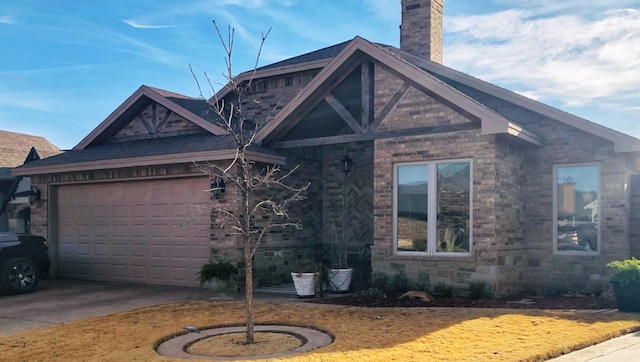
(621,349)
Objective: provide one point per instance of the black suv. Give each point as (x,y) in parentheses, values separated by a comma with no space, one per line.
(24,261)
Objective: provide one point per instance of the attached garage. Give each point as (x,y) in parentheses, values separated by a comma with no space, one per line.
(149,231)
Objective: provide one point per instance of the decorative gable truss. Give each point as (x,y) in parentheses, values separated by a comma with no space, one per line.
(348,87)
(150,112)
(155,121)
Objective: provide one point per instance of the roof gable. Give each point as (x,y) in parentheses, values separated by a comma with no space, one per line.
(491,122)
(192,109)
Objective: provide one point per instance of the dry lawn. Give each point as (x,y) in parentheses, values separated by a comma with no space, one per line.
(361,334)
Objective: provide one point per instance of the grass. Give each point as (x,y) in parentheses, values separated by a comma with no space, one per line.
(372,334)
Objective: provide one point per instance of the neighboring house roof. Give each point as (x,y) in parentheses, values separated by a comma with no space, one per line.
(491,121)
(15,147)
(194,110)
(155,151)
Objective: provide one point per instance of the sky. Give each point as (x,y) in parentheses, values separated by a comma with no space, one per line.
(66,65)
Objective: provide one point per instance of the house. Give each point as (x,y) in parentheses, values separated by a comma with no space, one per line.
(17,149)
(453,180)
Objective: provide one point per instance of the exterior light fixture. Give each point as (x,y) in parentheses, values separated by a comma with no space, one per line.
(347,164)
(218,187)
(34,194)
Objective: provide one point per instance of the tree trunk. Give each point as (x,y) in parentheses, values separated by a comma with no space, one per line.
(248,291)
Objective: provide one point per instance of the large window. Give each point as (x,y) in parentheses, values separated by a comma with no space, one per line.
(576,209)
(432,208)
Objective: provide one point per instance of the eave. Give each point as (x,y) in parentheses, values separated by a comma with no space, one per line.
(203,156)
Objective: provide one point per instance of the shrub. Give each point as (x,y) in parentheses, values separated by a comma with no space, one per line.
(400,282)
(443,289)
(373,294)
(478,289)
(625,271)
(222,270)
(380,280)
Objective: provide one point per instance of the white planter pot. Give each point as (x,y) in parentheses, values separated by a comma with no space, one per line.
(305,284)
(340,279)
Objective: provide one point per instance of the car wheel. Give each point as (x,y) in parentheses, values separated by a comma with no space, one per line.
(19,275)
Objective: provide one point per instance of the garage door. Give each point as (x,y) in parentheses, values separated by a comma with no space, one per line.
(149,232)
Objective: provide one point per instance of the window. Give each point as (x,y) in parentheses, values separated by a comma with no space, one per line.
(432,208)
(576,209)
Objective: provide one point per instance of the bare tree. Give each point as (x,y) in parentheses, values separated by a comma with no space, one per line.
(256,214)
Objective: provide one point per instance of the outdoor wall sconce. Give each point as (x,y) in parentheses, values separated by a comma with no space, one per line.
(218,187)
(34,194)
(347,164)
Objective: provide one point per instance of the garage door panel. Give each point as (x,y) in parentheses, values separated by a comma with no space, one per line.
(139,232)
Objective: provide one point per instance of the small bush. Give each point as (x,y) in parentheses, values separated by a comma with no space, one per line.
(400,282)
(222,270)
(443,289)
(373,294)
(478,289)
(625,271)
(379,280)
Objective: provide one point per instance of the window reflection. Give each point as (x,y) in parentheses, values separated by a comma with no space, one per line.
(412,208)
(577,208)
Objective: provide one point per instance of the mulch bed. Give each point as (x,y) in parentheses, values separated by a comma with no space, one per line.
(528,302)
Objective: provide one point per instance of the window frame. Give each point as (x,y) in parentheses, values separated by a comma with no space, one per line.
(432,220)
(555,210)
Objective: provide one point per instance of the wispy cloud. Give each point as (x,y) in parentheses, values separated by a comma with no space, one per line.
(572,58)
(8,19)
(28,101)
(139,25)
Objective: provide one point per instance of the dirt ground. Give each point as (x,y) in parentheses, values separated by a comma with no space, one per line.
(566,302)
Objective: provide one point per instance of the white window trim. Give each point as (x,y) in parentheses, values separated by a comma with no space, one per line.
(431,210)
(555,211)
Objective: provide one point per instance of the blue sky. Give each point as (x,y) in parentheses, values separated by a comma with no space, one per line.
(66,65)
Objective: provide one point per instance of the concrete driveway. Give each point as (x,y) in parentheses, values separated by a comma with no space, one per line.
(61,301)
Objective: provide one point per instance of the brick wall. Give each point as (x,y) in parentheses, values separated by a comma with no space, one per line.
(539,268)
(635,216)
(455,271)
(268,95)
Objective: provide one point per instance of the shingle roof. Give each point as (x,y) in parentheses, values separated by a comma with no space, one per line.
(147,147)
(15,147)
(324,53)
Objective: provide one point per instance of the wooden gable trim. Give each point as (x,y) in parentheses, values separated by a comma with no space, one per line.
(388,107)
(149,93)
(315,98)
(319,80)
(491,121)
(368,93)
(622,142)
(191,157)
(322,141)
(343,113)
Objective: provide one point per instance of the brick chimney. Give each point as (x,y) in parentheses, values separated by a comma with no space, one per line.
(421,29)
